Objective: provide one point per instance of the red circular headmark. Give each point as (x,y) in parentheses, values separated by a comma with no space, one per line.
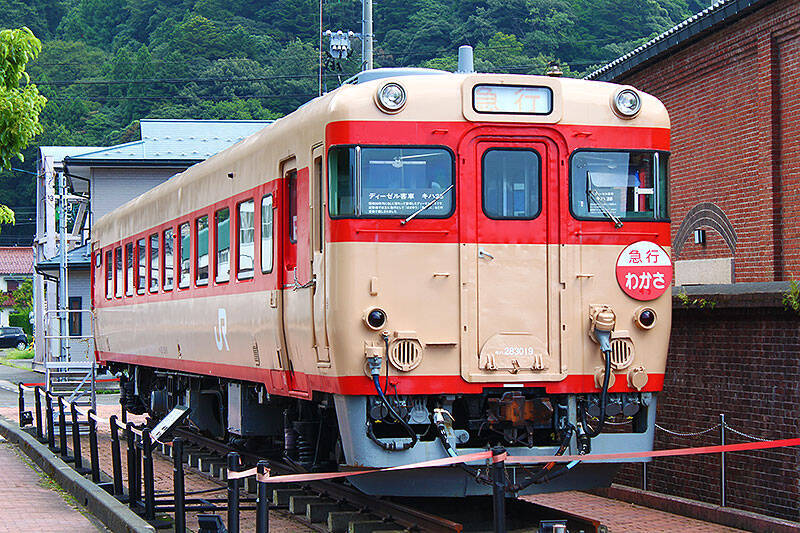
(644,270)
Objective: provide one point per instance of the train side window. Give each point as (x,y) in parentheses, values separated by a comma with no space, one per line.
(154,262)
(129,269)
(201,240)
(141,266)
(169,259)
(511,183)
(291,183)
(319,217)
(183,249)
(222,243)
(267,254)
(245,239)
(109,276)
(118,271)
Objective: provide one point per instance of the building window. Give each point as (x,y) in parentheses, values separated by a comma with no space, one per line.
(183,248)
(141,266)
(246,239)
(109,276)
(223,245)
(129,269)
(169,259)
(201,238)
(267,254)
(12,285)
(118,271)
(154,262)
(75,322)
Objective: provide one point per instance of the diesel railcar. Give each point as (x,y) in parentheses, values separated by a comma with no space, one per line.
(415,265)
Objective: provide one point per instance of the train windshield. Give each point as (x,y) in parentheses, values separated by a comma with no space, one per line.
(390,182)
(626,185)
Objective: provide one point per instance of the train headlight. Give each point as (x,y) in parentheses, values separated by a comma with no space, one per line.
(645,317)
(627,103)
(391,97)
(375,318)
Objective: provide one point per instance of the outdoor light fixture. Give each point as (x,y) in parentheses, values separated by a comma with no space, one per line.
(391,97)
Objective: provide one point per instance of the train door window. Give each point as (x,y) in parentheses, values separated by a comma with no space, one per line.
(319,217)
(154,262)
(75,326)
(511,183)
(291,185)
(141,266)
(245,239)
(169,259)
(222,243)
(109,276)
(129,269)
(267,254)
(201,240)
(183,249)
(342,186)
(118,271)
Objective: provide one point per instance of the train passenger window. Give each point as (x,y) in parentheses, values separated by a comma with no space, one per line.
(169,259)
(201,240)
(154,262)
(109,276)
(319,218)
(291,181)
(141,266)
(183,252)
(129,269)
(511,183)
(390,182)
(267,254)
(245,239)
(118,271)
(627,185)
(222,243)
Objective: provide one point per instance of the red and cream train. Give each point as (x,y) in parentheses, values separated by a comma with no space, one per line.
(414,265)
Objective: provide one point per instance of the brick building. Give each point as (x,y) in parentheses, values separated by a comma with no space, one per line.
(730,78)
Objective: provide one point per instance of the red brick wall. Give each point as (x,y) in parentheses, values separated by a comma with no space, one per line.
(743,362)
(734,102)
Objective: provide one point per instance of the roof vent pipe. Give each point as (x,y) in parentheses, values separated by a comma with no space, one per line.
(466,64)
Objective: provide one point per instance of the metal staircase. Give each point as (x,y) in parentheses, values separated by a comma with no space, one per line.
(69,365)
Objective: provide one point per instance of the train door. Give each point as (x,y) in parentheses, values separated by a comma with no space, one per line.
(513,257)
(318,291)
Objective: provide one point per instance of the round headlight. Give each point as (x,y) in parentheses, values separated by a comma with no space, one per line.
(392,97)
(375,318)
(645,318)
(627,103)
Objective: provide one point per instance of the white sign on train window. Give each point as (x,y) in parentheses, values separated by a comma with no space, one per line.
(513,99)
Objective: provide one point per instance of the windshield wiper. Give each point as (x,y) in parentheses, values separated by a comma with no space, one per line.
(597,200)
(426,206)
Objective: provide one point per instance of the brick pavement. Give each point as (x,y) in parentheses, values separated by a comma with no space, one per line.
(29,501)
(622,517)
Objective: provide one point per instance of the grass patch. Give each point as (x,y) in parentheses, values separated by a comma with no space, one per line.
(19,354)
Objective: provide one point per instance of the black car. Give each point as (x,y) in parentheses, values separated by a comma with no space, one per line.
(13,338)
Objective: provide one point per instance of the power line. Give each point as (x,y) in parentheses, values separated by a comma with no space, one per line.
(184,98)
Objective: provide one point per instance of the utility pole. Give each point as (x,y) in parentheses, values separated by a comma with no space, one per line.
(62,266)
(366,35)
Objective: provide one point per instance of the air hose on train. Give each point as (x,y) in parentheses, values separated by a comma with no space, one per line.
(547,473)
(604,338)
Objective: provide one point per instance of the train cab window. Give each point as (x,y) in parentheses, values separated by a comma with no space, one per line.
(201,240)
(511,183)
(390,182)
(154,262)
(222,244)
(129,269)
(118,271)
(169,259)
(245,239)
(267,254)
(183,253)
(626,185)
(109,276)
(141,266)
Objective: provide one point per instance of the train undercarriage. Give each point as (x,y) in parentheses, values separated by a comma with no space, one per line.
(336,432)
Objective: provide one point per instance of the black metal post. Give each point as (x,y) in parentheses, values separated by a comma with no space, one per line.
(21,404)
(62,430)
(76,438)
(499,490)
(133,468)
(37,400)
(116,456)
(262,501)
(122,384)
(149,481)
(233,494)
(51,438)
(93,452)
(177,485)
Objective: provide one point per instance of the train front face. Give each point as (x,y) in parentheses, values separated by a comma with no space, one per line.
(497,243)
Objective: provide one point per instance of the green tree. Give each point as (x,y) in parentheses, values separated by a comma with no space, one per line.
(23,298)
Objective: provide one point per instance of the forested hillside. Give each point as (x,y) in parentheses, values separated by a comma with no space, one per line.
(107,63)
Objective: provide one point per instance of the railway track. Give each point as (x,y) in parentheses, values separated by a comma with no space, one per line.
(334,507)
